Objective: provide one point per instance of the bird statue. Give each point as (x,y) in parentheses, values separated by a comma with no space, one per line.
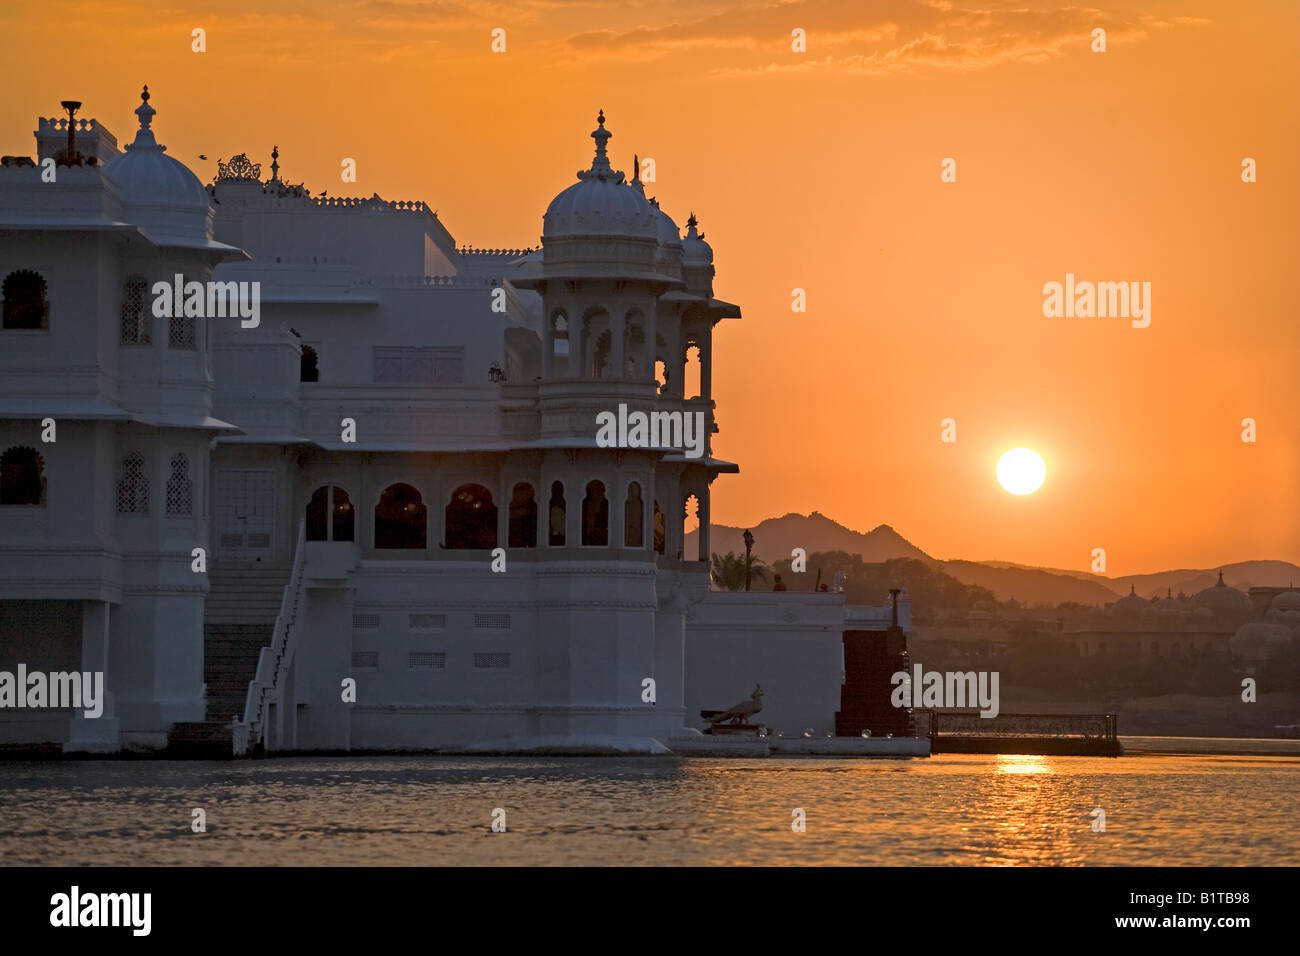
(201,156)
(745,708)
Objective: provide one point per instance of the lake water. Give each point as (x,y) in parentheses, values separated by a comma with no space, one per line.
(987,810)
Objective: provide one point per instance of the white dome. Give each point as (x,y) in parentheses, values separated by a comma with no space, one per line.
(695,251)
(667,231)
(601,204)
(159,193)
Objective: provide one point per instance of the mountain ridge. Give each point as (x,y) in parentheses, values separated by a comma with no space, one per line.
(774,538)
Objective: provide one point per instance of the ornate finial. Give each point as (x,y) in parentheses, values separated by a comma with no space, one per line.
(636,168)
(275,164)
(690,227)
(1221,584)
(600,168)
(144,135)
(1132,590)
(144,111)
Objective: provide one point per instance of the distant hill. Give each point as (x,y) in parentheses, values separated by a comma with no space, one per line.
(774,538)
(1031,585)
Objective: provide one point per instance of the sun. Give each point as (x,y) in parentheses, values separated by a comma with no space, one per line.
(1021,471)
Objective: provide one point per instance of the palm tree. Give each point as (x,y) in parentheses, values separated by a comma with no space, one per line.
(729,570)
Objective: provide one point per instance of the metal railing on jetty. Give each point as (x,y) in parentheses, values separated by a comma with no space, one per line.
(968,732)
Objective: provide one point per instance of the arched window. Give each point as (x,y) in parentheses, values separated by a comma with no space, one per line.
(690,523)
(595,516)
(693,376)
(136,316)
(401,518)
(307,368)
(660,531)
(634,518)
(180,489)
(22,477)
(471,519)
(133,487)
(327,501)
(523,517)
(25,306)
(560,337)
(557,515)
(182,330)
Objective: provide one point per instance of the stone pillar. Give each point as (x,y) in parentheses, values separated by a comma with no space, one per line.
(95,734)
(703,534)
(706,365)
(617,345)
(548,346)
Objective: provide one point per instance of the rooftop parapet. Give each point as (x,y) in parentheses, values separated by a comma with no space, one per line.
(93,138)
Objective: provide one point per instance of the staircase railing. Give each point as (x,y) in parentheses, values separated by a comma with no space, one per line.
(267,685)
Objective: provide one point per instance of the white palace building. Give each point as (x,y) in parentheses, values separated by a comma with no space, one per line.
(287,526)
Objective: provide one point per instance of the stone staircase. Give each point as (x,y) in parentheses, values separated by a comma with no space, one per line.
(242,603)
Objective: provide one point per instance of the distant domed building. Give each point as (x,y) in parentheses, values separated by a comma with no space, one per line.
(1258,641)
(1223,601)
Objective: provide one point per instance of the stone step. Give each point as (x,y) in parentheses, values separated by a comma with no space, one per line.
(201,740)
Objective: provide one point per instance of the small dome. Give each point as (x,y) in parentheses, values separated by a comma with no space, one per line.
(668,233)
(1131,603)
(1259,640)
(601,204)
(159,193)
(695,251)
(1221,599)
(1285,618)
(1286,601)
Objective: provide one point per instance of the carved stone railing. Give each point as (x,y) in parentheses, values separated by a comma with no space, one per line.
(495,253)
(461,282)
(267,685)
(1086,726)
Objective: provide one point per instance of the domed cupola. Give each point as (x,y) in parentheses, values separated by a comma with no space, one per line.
(1288,600)
(670,241)
(159,193)
(1131,603)
(697,260)
(601,204)
(1223,600)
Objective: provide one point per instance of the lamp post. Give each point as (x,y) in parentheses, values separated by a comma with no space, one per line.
(72,106)
(749,546)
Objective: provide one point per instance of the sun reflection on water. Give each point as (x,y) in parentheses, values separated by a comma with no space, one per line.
(1021,763)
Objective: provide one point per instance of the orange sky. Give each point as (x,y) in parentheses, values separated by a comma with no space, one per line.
(821,171)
